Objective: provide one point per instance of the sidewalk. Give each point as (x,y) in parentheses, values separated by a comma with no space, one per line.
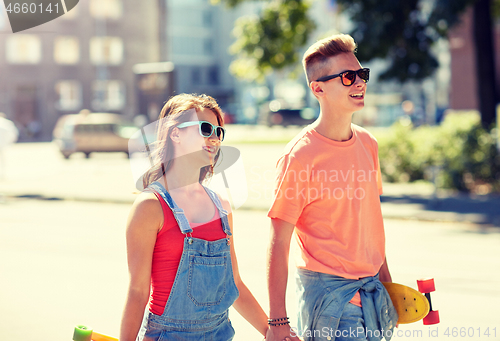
(38,171)
(418,201)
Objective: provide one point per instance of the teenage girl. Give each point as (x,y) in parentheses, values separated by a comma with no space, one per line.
(180,248)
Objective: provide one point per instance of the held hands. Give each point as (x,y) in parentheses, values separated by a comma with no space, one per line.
(281,333)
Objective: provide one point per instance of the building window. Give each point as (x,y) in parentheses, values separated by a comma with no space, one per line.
(208,47)
(108,95)
(213,75)
(69,95)
(23,49)
(196,75)
(192,46)
(106,9)
(106,50)
(207,19)
(66,50)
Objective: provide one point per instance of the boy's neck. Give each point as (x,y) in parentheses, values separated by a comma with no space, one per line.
(334,127)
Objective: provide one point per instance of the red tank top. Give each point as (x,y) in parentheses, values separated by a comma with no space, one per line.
(168,251)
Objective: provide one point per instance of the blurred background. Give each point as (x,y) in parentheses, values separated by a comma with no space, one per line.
(117,56)
(428,61)
(82,84)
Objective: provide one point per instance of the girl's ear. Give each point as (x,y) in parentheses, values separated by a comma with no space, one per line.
(175,135)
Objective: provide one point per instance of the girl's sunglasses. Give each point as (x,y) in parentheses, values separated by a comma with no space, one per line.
(348,77)
(206,129)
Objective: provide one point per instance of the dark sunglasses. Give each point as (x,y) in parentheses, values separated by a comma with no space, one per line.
(348,77)
(206,129)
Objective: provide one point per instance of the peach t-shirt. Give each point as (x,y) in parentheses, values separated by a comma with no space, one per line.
(330,191)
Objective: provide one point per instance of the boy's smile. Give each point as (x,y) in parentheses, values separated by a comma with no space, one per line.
(358,95)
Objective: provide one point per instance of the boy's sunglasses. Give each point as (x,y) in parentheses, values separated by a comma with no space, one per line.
(348,77)
(206,129)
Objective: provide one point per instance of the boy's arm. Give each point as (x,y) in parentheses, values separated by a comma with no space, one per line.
(384,274)
(277,276)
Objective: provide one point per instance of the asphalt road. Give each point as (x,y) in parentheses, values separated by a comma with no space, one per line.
(63,263)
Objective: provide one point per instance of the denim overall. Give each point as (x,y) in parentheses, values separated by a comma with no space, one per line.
(203,289)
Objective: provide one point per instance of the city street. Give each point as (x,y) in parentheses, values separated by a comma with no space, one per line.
(63,257)
(84,76)
(63,263)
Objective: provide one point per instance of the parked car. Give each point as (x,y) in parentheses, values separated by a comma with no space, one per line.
(92,132)
(277,113)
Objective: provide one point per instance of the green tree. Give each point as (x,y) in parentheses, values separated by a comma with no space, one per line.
(400,31)
(270,41)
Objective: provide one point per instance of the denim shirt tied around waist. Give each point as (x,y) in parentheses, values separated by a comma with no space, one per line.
(319,290)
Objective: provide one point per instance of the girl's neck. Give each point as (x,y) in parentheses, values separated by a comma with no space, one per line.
(178,177)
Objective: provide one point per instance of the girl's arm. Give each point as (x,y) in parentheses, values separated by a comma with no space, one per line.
(246,304)
(144,222)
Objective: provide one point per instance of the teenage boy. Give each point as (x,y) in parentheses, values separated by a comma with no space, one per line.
(327,192)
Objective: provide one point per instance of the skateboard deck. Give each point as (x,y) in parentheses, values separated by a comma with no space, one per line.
(410,304)
(102,337)
(85,333)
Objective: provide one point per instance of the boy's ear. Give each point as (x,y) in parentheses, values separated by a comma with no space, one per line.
(316,88)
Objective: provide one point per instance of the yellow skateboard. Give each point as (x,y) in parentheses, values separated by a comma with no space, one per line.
(413,305)
(85,333)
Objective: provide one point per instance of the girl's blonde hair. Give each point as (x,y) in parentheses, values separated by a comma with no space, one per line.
(172,114)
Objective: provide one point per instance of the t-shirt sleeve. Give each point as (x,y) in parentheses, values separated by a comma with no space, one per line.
(290,192)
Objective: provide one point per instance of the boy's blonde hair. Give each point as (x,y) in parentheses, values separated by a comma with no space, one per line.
(317,55)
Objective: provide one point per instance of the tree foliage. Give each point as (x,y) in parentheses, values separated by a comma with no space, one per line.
(400,31)
(464,153)
(270,41)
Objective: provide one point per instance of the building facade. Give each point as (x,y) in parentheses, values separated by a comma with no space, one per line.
(463,92)
(81,60)
(197,39)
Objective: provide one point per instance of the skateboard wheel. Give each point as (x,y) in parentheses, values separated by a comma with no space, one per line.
(432,317)
(426,285)
(82,333)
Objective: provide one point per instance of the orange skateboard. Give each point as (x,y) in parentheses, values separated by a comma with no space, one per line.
(413,305)
(84,333)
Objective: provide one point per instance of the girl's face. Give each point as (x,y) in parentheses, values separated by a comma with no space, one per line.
(202,148)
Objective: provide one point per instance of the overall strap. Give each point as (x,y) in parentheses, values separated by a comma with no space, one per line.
(178,212)
(222,212)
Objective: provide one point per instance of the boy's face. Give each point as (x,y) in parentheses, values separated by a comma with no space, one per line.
(334,93)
